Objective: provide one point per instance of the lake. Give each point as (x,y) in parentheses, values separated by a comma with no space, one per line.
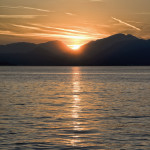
(83,108)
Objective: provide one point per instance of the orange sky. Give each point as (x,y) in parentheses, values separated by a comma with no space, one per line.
(75,22)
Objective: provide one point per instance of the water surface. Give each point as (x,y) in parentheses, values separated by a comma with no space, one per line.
(74,108)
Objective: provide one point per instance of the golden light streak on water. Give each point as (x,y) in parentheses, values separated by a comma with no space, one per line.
(76,104)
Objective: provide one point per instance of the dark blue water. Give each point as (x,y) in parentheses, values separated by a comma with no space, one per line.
(74,108)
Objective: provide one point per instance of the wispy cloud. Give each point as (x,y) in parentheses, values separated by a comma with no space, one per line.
(70,14)
(67,31)
(46,35)
(60,29)
(52,30)
(127,24)
(38,31)
(21,16)
(5,32)
(23,7)
(26,27)
(11,33)
(48,29)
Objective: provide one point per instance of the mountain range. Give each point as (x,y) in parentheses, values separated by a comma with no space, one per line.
(118,49)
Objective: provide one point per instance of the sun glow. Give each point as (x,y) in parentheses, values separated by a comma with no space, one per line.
(75,47)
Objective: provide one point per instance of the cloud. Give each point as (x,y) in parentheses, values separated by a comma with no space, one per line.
(23,7)
(26,27)
(49,29)
(11,33)
(21,16)
(67,32)
(70,14)
(38,29)
(60,29)
(127,24)
(5,32)
(51,32)
(47,35)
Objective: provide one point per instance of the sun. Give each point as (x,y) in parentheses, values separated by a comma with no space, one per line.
(75,47)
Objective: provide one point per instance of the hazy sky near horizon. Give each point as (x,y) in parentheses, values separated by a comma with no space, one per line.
(74,22)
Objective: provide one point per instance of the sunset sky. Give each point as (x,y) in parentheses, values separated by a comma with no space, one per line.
(74,22)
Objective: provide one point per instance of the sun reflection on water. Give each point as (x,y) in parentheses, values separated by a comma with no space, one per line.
(76,105)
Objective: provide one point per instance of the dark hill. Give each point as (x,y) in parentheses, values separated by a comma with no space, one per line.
(118,49)
(50,53)
(21,47)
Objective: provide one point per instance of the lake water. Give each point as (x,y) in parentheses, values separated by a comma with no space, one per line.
(76,108)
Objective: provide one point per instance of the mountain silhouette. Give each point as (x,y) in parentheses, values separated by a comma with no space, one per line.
(50,53)
(119,49)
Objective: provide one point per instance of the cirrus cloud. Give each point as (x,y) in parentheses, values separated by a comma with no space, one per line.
(24,7)
(21,16)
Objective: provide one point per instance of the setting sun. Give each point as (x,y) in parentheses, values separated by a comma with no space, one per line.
(75,47)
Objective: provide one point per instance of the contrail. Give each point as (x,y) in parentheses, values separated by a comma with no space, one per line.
(23,7)
(127,24)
